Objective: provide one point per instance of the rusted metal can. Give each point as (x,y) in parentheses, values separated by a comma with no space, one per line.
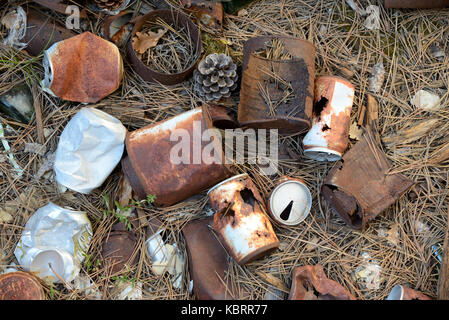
(310,283)
(209,13)
(150,170)
(328,138)
(359,187)
(177,19)
(264,78)
(290,201)
(208,261)
(416,4)
(400,292)
(20,286)
(240,221)
(42,32)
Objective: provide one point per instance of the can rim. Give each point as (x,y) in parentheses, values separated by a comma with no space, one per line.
(227,180)
(312,152)
(307,208)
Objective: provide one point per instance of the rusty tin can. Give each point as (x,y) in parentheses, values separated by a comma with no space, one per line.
(328,138)
(177,19)
(359,187)
(416,4)
(400,292)
(208,261)
(275,77)
(150,170)
(20,286)
(310,283)
(42,32)
(290,201)
(240,221)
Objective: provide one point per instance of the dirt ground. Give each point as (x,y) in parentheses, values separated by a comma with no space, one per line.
(396,248)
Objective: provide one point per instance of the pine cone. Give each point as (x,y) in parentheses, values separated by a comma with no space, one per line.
(215,77)
(110,5)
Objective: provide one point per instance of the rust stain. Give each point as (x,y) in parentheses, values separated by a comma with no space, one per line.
(359,188)
(20,286)
(117,250)
(310,283)
(86,68)
(292,116)
(150,170)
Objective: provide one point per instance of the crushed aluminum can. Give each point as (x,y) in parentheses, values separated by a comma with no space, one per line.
(90,147)
(208,261)
(84,68)
(416,4)
(359,187)
(42,32)
(290,201)
(401,292)
(240,220)
(20,286)
(57,235)
(118,28)
(150,170)
(288,117)
(119,249)
(209,13)
(328,138)
(310,283)
(178,19)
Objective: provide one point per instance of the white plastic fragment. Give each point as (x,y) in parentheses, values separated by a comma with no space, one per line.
(89,149)
(377,77)
(85,285)
(369,273)
(425,100)
(58,236)
(17,169)
(372,22)
(36,148)
(356,8)
(130,291)
(16,23)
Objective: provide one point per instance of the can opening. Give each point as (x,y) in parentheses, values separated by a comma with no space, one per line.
(286,212)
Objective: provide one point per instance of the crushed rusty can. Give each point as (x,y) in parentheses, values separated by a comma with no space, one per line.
(328,138)
(416,4)
(401,292)
(311,283)
(290,201)
(240,220)
(292,114)
(359,187)
(20,286)
(149,166)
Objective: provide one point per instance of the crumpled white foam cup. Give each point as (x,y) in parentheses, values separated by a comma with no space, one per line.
(89,149)
(58,236)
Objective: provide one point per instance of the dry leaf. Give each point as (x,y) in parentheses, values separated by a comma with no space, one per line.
(355,131)
(5,217)
(275,282)
(393,235)
(312,244)
(144,41)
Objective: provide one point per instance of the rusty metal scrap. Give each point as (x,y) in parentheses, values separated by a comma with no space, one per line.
(150,170)
(178,20)
(20,286)
(310,283)
(208,262)
(359,187)
(209,13)
(118,28)
(402,292)
(276,78)
(416,4)
(42,32)
(240,220)
(84,68)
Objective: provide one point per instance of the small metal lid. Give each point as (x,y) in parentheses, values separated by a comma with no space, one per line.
(290,202)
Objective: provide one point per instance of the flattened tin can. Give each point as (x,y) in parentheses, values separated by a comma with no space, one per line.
(310,283)
(149,166)
(265,78)
(20,286)
(290,201)
(400,292)
(328,138)
(178,19)
(359,187)
(240,220)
